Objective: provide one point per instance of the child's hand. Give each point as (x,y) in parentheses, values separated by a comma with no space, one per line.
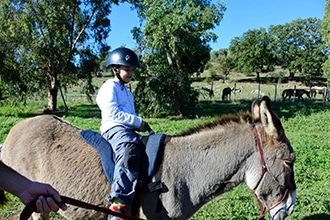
(144,127)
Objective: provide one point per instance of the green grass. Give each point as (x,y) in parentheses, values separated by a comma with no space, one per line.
(312,145)
(306,124)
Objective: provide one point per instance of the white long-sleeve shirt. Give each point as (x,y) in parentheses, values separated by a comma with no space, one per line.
(116,103)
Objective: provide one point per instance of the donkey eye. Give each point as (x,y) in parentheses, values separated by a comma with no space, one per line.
(289,165)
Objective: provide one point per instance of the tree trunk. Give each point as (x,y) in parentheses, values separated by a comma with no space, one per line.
(52,95)
(177,84)
(258,77)
(291,76)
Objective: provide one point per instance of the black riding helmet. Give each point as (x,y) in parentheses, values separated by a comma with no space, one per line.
(123,57)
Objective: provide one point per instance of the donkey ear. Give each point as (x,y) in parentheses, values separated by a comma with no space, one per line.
(255,111)
(269,120)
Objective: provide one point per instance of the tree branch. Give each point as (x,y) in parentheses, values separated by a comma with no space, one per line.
(83,29)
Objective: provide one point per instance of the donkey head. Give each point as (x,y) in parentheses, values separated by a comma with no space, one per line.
(270,174)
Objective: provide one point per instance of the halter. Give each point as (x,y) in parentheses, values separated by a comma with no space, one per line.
(264,171)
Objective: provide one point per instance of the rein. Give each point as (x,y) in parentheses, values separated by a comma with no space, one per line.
(31,207)
(264,171)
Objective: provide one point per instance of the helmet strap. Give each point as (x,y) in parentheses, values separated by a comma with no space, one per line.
(121,81)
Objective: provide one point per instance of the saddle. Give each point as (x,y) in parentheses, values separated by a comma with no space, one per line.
(153,143)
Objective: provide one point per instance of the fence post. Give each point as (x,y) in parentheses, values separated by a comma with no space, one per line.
(235,91)
(294,92)
(276,86)
(310,90)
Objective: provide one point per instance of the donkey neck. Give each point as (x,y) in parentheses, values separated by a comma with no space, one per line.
(203,165)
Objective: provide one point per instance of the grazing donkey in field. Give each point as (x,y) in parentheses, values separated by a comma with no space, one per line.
(226,94)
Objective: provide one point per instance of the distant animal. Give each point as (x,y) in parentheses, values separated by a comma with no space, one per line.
(196,165)
(288,93)
(226,94)
(321,90)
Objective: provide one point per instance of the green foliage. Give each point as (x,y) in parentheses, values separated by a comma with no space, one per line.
(326,70)
(154,91)
(221,62)
(154,95)
(172,24)
(226,64)
(253,52)
(326,34)
(175,34)
(326,22)
(46,41)
(299,46)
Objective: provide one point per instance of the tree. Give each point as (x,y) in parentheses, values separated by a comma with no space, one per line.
(326,35)
(226,64)
(299,46)
(177,33)
(51,39)
(221,61)
(253,52)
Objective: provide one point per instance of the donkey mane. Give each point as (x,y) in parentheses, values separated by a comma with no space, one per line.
(223,120)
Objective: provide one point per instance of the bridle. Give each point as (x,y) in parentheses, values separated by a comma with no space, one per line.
(264,171)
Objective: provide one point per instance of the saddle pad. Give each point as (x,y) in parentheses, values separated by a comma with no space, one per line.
(104,149)
(149,163)
(153,144)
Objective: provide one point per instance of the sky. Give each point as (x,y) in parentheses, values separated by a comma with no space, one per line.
(240,16)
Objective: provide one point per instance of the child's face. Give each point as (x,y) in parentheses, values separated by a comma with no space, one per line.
(126,73)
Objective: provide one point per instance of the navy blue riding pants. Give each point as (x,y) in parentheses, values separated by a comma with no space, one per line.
(126,146)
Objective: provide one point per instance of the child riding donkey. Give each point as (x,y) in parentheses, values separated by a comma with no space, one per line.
(118,126)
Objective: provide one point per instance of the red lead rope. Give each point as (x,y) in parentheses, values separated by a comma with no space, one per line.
(31,207)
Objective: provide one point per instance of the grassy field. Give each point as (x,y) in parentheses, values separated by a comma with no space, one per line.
(307,125)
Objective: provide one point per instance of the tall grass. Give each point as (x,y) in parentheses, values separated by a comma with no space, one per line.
(307,125)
